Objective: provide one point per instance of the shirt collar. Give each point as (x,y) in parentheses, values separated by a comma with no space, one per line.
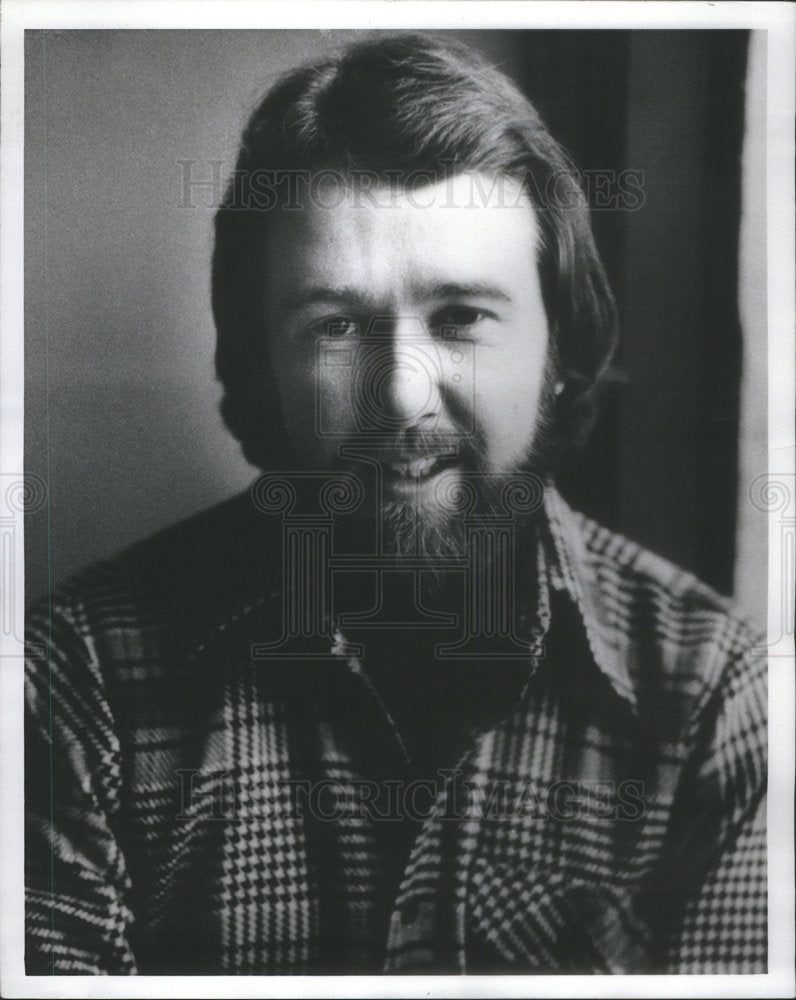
(564,564)
(572,569)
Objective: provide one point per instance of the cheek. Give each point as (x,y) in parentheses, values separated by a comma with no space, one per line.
(331,402)
(295,385)
(508,397)
(512,412)
(315,394)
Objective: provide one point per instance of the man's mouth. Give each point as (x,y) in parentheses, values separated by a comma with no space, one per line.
(412,471)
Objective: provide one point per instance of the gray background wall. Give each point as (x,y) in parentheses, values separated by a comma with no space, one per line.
(121,400)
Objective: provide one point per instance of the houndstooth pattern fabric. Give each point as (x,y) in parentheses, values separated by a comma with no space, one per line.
(613,820)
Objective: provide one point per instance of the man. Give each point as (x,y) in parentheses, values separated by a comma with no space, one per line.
(398,708)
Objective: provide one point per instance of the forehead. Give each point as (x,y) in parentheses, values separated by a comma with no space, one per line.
(468,226)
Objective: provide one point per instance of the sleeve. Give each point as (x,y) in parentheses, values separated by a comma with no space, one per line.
(724,929)
(76,883)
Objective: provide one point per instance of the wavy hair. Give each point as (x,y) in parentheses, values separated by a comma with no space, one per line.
(402,108)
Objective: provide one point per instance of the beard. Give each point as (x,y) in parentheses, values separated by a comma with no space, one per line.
(439,529)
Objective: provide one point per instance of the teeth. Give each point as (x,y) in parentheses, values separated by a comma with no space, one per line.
(414,470)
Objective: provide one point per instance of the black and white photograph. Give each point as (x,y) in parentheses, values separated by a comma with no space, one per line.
(399,415)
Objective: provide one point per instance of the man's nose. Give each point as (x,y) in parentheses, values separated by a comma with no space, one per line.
(406,375)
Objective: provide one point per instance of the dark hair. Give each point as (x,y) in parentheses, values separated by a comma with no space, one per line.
(403,107)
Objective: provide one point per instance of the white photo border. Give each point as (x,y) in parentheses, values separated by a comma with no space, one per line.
(778,20)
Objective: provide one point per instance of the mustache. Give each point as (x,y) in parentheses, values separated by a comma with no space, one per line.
(415,442)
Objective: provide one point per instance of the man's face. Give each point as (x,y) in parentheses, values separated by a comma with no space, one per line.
(409,327)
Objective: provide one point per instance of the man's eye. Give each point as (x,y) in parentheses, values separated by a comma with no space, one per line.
(456,317)
(339,326)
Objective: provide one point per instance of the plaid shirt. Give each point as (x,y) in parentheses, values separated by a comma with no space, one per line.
(194,808)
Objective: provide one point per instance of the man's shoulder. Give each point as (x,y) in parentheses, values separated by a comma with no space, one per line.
(630,570)
(195,571)
(656,626)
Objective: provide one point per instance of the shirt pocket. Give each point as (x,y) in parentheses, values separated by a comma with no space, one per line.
(520,920)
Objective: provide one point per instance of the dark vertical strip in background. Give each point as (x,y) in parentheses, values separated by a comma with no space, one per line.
(678,435)
(579,82)
(662,305)
(725,59)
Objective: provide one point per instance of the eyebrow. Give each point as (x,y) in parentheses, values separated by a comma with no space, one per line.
(468,290)
(428,292)
(311,296)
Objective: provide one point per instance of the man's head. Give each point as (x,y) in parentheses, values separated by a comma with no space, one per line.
(404,269)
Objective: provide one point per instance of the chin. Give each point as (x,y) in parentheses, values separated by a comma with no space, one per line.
(430,532)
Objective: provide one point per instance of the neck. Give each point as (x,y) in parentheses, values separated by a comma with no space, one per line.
(400,606)
(412,610)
